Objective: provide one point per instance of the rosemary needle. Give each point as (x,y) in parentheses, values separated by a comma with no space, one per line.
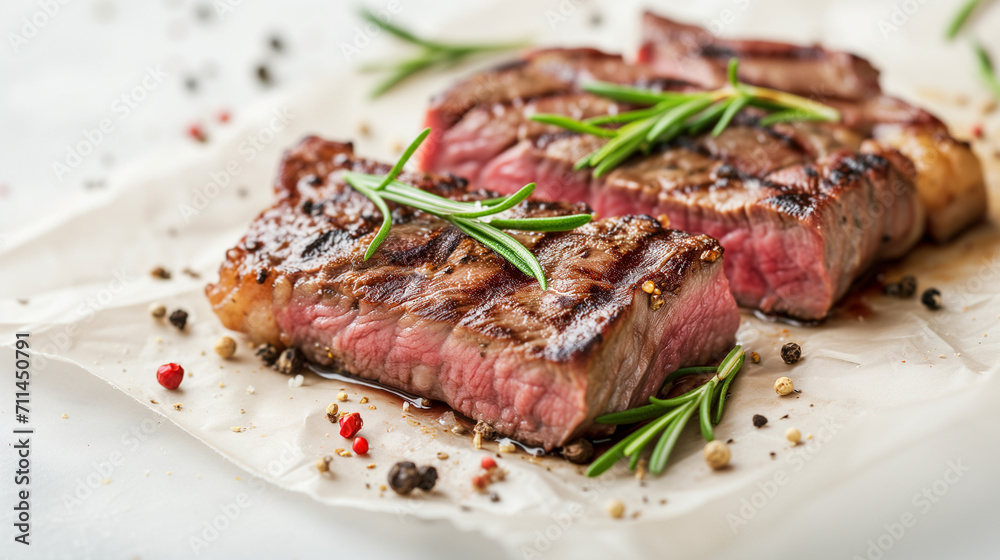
(669,416)
(433,53)
(961,16)
(674,113)
(472,218)
(986,70)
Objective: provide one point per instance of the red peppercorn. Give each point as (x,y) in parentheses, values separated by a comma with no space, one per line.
(170,375)
(488,463)
(195,131)
(350,425)
(360,445)
(223,116)
(480,482)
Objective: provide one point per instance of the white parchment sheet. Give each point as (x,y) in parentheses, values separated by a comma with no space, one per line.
(870,385)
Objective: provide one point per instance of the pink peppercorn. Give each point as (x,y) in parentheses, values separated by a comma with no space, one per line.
(170,375)
(360,445)
(350,425)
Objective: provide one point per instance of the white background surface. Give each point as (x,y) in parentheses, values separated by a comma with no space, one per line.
(66,79)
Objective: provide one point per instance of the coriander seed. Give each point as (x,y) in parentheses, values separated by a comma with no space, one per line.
(783,386)
(615,509)
(157,310)
(331,412)
(793,435)
(716,454)
(225,347)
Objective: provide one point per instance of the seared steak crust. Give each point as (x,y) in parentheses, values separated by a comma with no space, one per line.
(438,314)
(948,176)
(691,53)
(858,188)
(803,208)
(798,229)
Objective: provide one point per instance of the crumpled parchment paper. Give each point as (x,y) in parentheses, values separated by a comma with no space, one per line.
(80,284)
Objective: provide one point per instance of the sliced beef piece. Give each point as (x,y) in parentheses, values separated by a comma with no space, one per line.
(546,80)
(949,177)
(798,227)
(435,313)
(538,73)
(486,131)
(691,53)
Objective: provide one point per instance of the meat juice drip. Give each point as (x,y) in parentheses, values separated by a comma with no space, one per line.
(785,319)
(414,400)
(430,410)
(854,307)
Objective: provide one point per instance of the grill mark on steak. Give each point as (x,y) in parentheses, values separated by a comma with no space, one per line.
(728,52)
(435,313)
(749,181)
(950,183)
(784,174)
(691,53)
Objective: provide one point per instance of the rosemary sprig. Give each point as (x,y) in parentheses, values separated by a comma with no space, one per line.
(670,416)
(472,218)
(961,16)
(672,114)
(433,53)
(986,70)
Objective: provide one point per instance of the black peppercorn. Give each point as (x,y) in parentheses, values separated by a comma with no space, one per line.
(276,44)
(263,74)
(404,477)
(908,286)
(487,432)
(178,319)
(905,288)
(267,353)
(791,353)
(428,478)
(289,361)
(759,420)
(931,298)
(160,273)
(579,451)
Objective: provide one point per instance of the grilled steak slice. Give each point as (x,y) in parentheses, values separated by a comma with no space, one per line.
(691,53)
(798,230)
(949,178)
(539,73)
(803,208)
(436,313)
